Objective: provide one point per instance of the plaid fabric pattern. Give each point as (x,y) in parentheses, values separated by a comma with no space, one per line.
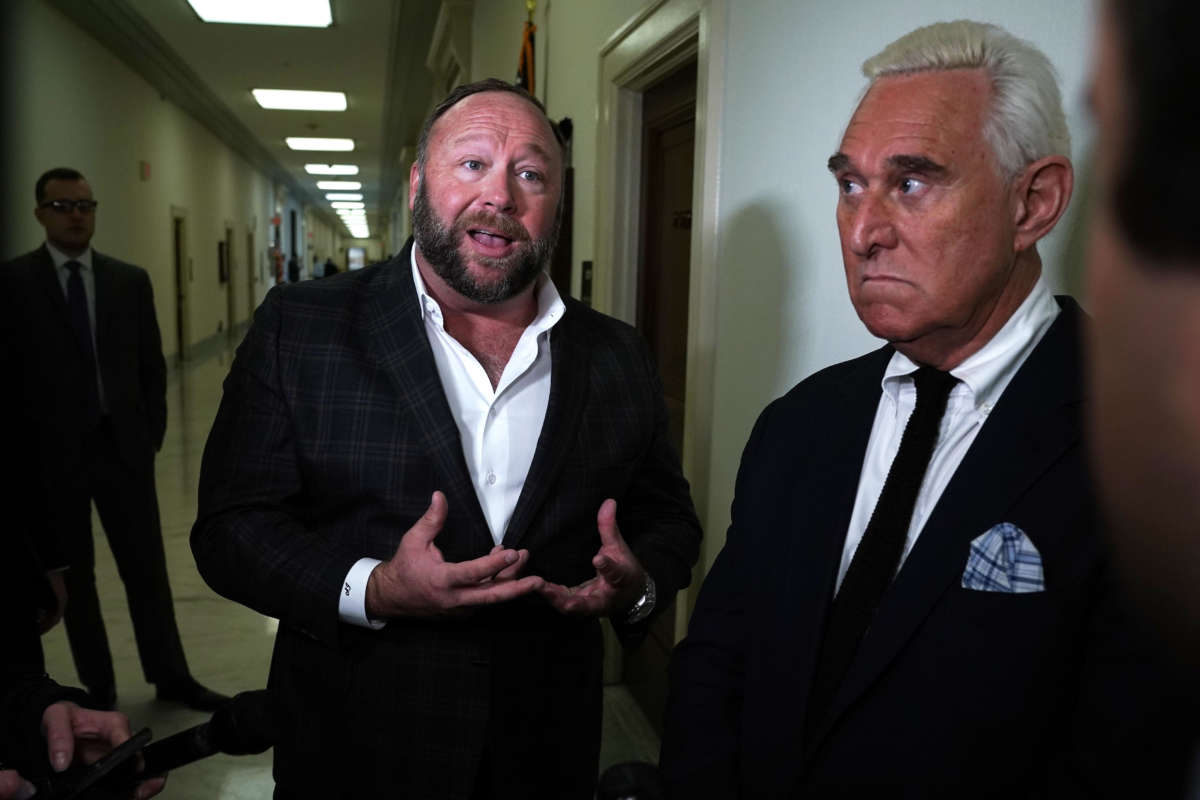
(1004,560)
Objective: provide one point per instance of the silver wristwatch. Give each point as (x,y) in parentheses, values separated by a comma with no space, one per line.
(645,604)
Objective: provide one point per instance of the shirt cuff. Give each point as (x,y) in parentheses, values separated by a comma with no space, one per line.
(352,605)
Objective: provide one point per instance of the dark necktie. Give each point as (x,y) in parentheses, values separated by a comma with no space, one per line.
(77,305)
(874,563)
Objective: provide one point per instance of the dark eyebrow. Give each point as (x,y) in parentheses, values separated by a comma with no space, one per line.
(916,164)
(838,162)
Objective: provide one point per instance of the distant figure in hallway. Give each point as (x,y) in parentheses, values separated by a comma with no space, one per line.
(294,269)
(330,268)
(90,381)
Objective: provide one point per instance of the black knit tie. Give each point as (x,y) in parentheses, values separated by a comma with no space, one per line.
(874,563)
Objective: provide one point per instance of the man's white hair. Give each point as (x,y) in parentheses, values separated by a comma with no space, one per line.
(1026,121)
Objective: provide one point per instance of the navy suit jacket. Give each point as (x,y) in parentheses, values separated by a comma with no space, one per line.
(333,432)
(953,692)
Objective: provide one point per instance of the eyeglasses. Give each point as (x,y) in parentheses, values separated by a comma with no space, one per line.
(66,206)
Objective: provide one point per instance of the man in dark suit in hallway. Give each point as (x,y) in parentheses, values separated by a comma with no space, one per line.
(914,597)
(91,384)
(438,473)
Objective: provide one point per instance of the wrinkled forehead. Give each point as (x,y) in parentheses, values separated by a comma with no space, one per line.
(503,116)
(943,110)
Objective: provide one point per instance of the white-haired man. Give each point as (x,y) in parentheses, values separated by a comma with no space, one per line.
(914,593)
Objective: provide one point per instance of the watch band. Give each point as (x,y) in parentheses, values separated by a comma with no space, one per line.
(645,604)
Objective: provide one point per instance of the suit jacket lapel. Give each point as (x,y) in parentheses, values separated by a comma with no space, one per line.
(1034,422)
(46,278)
(394,334)
(570,357)
(823,500)
(103,303)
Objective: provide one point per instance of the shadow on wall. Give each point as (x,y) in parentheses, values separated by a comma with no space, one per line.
(759,279)
(762,278)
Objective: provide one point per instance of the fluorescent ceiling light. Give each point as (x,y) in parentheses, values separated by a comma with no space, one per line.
(344,196)
(348,204)
(339,186)
(319,143)
(359,214)
(300,13)
(297,100)
(331,169)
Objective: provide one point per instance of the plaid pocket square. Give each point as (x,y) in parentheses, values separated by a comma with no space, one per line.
(1004,560)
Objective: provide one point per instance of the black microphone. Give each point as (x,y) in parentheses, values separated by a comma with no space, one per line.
(631,780)
(249,723)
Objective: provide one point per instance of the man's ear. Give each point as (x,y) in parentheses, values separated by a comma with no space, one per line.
(1042,192)
(414,183)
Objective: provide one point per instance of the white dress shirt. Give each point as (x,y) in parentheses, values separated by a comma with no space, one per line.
(88,275)
(983,377)
(498,426)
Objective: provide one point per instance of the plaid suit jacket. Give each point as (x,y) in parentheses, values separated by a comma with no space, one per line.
(332,433)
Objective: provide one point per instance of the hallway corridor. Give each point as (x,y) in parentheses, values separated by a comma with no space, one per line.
(229,646)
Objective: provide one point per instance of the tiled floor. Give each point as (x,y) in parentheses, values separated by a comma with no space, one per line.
(229,646)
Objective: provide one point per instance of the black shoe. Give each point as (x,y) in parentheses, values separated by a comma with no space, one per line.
(191,693)
(104,699)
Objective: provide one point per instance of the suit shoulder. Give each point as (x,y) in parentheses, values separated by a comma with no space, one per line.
(600,326)
(117,265)
(20,265)
(847,377)
(336,290)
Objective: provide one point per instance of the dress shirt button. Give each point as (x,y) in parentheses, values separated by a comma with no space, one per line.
(491,479)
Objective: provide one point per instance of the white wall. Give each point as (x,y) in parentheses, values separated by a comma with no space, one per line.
(793,79)
(567,53)
(79,106)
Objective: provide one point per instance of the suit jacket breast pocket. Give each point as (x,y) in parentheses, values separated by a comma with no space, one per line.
(1002,626)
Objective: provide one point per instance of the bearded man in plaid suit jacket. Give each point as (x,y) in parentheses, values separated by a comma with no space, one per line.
(438,474)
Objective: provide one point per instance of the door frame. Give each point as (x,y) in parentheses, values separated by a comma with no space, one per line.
(182,275)
(654,43)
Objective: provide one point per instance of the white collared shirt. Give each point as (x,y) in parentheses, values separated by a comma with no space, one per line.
(499,427)
(983,377)
(88,275)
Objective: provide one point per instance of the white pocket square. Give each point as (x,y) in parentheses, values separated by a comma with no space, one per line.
(1004,560)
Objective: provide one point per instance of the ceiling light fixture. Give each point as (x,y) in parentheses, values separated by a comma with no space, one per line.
(344,196)
(339,186)
(319,143)
(298,100)
(331,169)
(299,13)
(348,204)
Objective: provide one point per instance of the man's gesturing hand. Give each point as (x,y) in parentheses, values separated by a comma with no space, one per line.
(418,582)
(620,579)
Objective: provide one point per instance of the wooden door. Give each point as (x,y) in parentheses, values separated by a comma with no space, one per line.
(668,145)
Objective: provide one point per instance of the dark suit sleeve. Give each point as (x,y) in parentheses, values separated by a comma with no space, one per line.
(699,755)
(151,364)
(249,541)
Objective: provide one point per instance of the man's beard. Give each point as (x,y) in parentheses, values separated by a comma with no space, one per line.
(440,245)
